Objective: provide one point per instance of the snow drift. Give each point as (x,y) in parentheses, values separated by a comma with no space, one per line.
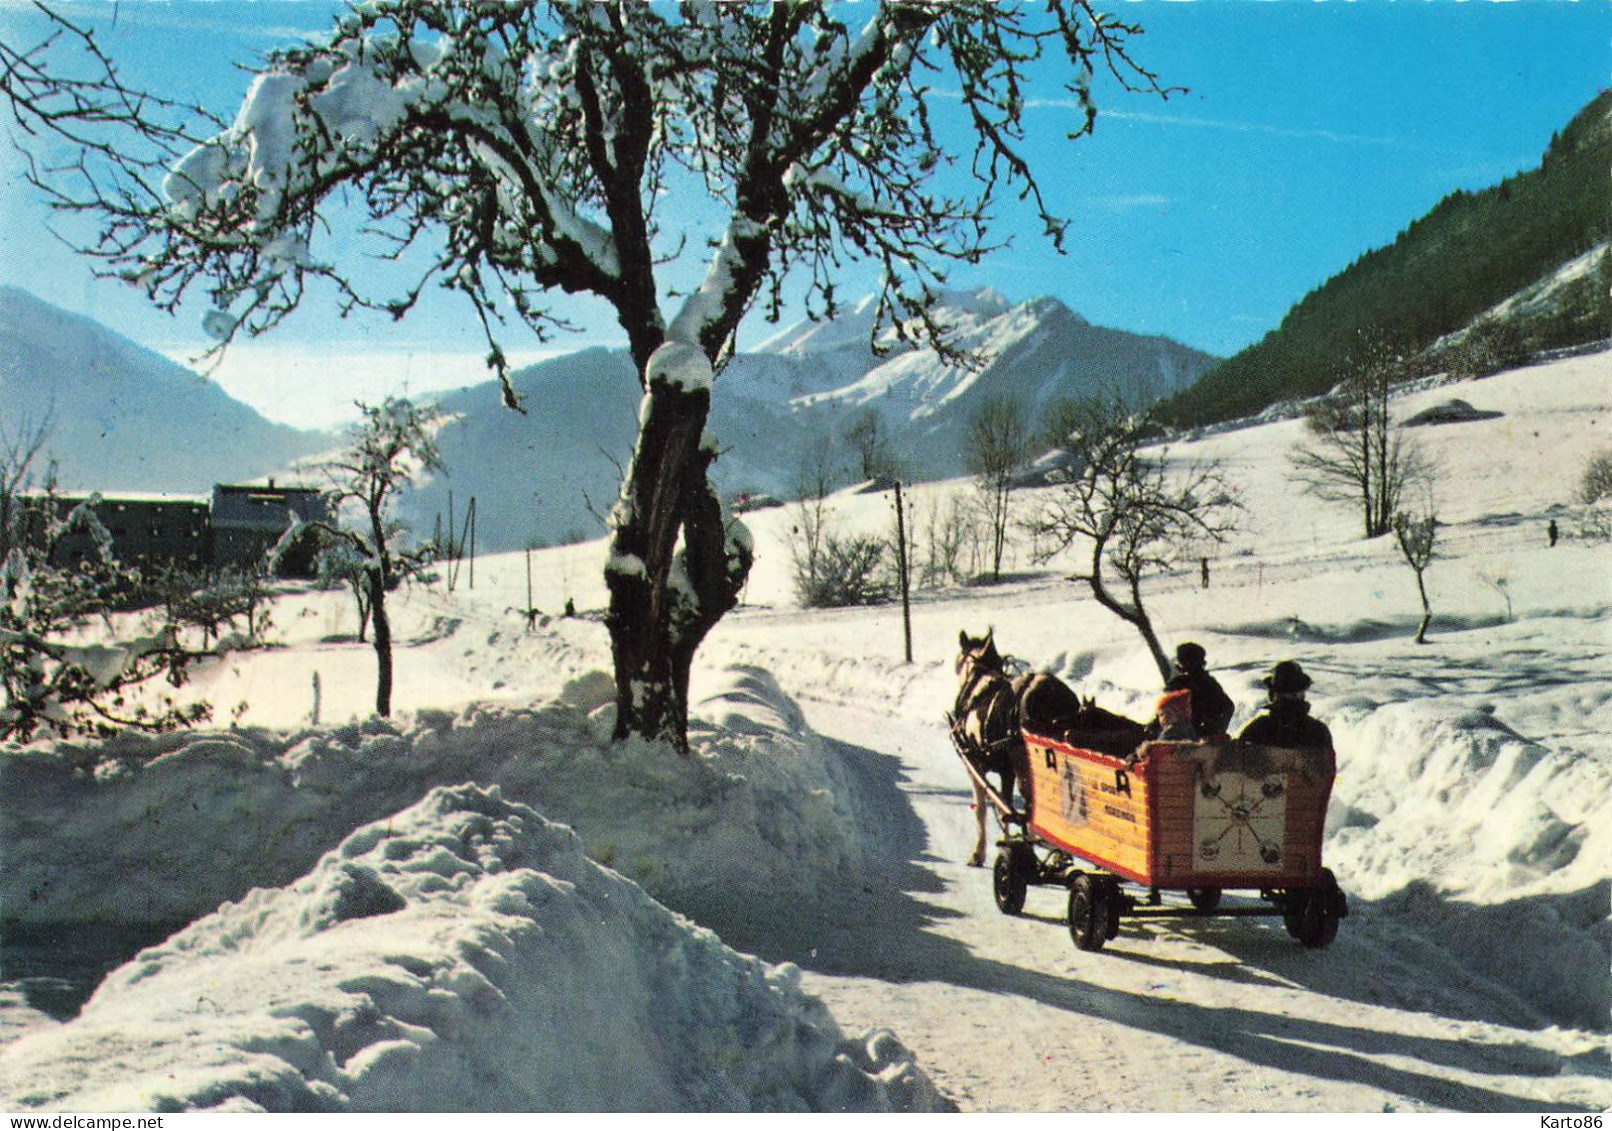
(459,952)
(158,829)
(462,954)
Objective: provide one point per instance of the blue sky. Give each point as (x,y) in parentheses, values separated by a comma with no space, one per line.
(1309,133)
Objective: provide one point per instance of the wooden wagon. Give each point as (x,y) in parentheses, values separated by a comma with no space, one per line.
(1121,828)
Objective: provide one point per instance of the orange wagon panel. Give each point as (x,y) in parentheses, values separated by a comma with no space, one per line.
(1089,804)
(1185,814)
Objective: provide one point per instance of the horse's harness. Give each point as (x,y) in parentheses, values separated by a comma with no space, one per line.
(989,695)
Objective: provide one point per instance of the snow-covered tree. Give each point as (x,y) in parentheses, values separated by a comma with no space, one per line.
(1125,512)
(391,444)
(66,667)
(509,151)
(21,445)
(218,600)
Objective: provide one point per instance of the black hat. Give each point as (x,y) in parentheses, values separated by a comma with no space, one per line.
(1287,677)
(1190,657)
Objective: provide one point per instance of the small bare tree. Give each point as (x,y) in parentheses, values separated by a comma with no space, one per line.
(999,445)
(1595,496)
(1129,515)
(808,534)
(1355,452)
(870,440)
(1416,535)
(391,444)
(852,569)
(942,529)
(339,563)
(1501,584)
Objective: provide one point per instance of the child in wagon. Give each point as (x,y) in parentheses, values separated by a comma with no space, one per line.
(1173,716)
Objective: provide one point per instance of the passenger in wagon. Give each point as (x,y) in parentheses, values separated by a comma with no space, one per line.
(1212,708)
(1173,717)
(1286,720)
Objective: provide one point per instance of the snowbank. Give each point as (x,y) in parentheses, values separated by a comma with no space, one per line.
(1477,836)
(159,829)
(1456,797)
(462,954)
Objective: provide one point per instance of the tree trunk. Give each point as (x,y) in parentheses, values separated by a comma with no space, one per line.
(1427,610)
(1144,625)
(1133,614)
(383,643)
(996,538)
(360,589)
(672,574)
(1368,481)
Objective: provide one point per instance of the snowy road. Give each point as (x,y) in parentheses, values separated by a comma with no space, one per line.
(1005,1014)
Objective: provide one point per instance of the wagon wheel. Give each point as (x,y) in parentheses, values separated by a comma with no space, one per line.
(1010,878)
(1204,899)
(1313,913)
(1092,912)
(1116,903)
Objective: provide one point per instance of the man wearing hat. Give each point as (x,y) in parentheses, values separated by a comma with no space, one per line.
(1212,708)
(1286,720)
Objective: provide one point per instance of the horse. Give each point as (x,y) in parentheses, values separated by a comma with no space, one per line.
(985,724)
(992,708)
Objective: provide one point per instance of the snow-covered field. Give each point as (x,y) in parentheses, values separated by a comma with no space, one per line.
(358,914)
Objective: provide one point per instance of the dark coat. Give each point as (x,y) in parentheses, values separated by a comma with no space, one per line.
(1212,708)
(1287,722)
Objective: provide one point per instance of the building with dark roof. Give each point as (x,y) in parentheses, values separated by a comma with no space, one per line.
(236,528)
(248,520)
(147,531)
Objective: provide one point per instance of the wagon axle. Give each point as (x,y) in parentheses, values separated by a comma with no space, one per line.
(1098,901)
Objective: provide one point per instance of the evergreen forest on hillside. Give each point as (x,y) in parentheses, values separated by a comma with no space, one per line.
(1473,250)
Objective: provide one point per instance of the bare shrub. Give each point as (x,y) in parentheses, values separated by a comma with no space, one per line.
(1595,496)
(851,570)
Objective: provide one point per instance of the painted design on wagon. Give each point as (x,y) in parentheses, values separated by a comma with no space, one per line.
(1240,822)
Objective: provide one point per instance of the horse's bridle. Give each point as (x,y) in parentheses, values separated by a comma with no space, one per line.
(978,675)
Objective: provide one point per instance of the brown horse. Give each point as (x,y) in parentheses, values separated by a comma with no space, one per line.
(993,707)
(985,724)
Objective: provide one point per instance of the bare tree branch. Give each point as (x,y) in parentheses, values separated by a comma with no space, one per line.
(1124,509)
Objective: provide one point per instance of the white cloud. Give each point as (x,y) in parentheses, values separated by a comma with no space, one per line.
(1229,125)
(1133,201)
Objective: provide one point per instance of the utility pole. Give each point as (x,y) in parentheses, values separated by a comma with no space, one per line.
(471,520)
(901,564)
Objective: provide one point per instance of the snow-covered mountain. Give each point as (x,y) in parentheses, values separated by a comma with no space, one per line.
(822,377)
(124,418)
(550,473)
(121,417)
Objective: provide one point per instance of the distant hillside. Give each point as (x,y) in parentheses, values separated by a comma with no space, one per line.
(534,475)
(122,418)
(1468,256)
(550,473)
